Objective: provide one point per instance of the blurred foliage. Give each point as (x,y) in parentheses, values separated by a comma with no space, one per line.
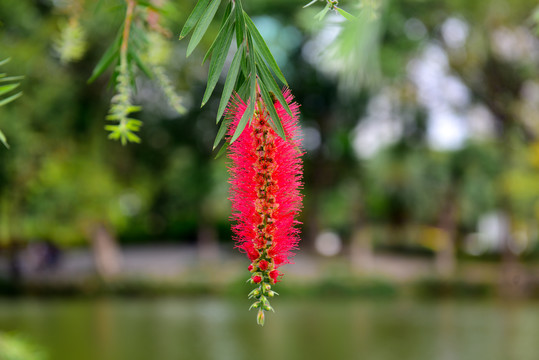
(13,347)
(9,83)
(70,44)
(60,177)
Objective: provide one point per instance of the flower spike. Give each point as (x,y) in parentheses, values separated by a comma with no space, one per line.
(266,172)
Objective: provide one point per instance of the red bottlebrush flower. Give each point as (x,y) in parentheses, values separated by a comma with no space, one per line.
(265,180)
(274,274)
(256,279)
(252,254)
(250,267)
(263,265)
(266,173)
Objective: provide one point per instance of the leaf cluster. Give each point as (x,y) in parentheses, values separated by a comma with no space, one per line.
(253,68)
(126,54)
(331,5)
(71,43)
(7,85)
(111,57)
(120,110)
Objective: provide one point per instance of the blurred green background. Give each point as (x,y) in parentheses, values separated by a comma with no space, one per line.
(420,221)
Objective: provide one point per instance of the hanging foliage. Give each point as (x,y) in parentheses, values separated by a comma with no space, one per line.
(7,85)
(132,44)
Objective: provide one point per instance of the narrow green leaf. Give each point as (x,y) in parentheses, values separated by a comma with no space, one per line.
(245,66)
(134,108)
(347,15)
(244,120)
(103,65)
(322,13)
(222,151)
(240,23)
(10,99)
(228,11)
(3,139)
(243,88)
(7,88)
(108,57)
(218,60)
(309,4)
(267,79)
(114,76)
(194,17)
(252,94)
(268,101)
(202,26)
(5,61)
(261,45)
(134,124)
(11,78)
(252,68)
(221,132)
(224,22)
(132,137)
(240,82)
(231,78)
(251,57)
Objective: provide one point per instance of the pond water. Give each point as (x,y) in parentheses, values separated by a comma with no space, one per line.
(200,329)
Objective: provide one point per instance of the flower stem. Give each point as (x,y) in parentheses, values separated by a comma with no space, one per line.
(127,28)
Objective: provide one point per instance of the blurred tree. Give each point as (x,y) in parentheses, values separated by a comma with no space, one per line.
(59,180)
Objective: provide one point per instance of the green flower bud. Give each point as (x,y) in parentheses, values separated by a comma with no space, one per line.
(255,305)
(260,317)
(254,293)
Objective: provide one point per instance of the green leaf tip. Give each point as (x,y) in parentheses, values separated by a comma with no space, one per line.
(202,26)
(194,17)
(3,139)
(345,14)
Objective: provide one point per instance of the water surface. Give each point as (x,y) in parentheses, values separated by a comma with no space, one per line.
(200,329)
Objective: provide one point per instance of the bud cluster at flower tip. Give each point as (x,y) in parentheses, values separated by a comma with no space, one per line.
(261,294)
